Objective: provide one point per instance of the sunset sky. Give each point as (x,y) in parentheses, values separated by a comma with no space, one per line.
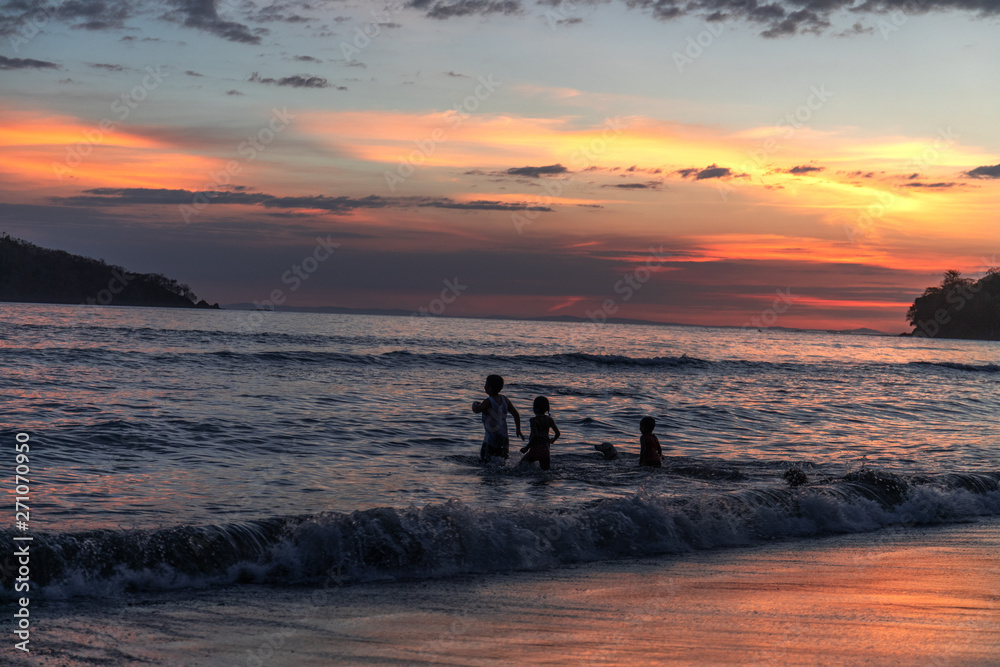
(685,160)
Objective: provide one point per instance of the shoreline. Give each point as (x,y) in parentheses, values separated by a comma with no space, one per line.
(913,596)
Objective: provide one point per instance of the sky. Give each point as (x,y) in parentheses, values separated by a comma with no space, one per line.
(798,163)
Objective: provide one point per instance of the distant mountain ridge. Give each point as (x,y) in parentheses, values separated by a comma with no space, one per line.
(32,274)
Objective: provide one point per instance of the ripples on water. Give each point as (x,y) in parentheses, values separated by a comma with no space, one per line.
(149,417)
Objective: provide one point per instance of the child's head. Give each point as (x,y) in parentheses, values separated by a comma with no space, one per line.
(540,406)
(646,425)
(494,384)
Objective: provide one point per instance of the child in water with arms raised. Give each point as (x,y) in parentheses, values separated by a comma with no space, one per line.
(538,442)
(495,410)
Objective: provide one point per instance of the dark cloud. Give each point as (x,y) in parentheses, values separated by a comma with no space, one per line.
(484,205)
(775,18)
(344,204)
(295,81)
(711,171)
(804,169)
(455,74)
(633,186)
(780,18)
(25,18)
(341,204)
(984,172)
(202,15)
(25,63)
(445,9)
(134,196)
(193,73)
(98,25)
(233,92)
(857,29)
(108,67)
(535,172)
(308,59)
(96,14)
(278,12)
(929,185)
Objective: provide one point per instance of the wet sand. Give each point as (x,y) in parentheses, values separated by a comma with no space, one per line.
(910,596)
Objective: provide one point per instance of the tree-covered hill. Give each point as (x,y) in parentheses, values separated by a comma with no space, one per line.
(959,308)
(32,274)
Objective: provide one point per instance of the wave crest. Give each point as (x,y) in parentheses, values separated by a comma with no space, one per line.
(454,538)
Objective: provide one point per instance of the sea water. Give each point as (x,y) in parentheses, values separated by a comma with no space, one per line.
(175,449)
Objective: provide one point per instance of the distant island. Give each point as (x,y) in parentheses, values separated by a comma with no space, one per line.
(31,274)
(958,308)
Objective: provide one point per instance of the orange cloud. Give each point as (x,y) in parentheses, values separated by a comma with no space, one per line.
(52,152)
(451,139)
(774,247)
(816,302)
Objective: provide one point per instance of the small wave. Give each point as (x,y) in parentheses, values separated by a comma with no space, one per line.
(622,360)
(454,538)
(975,368)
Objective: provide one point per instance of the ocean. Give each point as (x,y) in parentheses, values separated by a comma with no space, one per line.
(187,452)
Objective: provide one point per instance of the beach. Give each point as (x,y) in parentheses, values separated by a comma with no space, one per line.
(906,596)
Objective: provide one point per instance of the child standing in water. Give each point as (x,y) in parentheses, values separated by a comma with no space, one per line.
(495,410)
(538,443)
(650,453)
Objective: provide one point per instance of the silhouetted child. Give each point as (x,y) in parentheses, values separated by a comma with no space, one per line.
(650,453)
(495,410)
(538,443)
